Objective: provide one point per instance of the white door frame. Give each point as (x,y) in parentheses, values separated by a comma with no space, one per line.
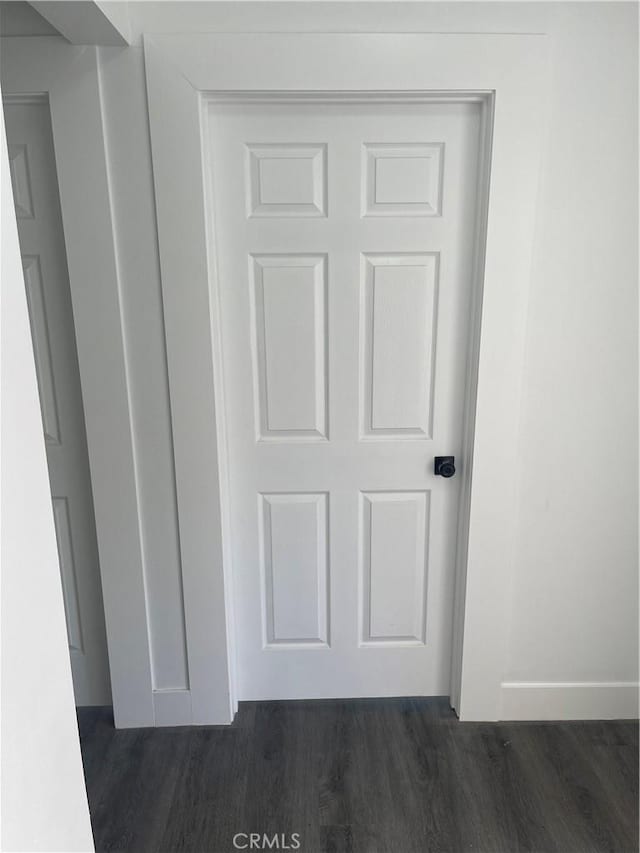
(508,74)
(68,77)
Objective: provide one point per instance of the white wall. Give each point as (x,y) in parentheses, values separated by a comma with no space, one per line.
(44,801)
(575,595)
(575,598)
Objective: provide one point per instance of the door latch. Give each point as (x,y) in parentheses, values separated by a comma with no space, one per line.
(443,466)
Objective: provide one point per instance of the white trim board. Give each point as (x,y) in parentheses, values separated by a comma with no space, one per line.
(180,71)
(172,707)
(87,22)
(573,700)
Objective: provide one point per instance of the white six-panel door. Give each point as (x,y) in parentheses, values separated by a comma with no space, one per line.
(344,244)
(35,191)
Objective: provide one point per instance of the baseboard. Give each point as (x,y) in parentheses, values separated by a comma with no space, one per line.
(578,700)
(172,707)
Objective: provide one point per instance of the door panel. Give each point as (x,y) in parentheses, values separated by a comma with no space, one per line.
(286,180)
(344,237)
(35,189)
(41,347)
(399,295)
(394,559)
(295,552)
(290,357)
(402,180)
(62,522)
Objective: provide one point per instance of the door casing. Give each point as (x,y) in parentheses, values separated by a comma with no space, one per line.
(507,76)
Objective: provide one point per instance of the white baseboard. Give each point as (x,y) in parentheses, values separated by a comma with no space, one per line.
(578,700)
(172,707)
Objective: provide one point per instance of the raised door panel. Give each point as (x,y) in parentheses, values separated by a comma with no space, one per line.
(41,348)
(68,573)
(289,321)
(286,180)
(393,549)
(403,179)
(294,547)
(398,333)
(21,181)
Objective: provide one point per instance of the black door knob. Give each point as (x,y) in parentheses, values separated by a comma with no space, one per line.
(444,466)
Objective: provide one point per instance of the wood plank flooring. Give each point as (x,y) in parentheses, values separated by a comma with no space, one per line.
(368,776)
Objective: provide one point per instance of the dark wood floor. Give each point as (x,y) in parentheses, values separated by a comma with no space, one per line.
(370,776)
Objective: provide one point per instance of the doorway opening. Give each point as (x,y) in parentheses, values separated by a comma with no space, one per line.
(348,234)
